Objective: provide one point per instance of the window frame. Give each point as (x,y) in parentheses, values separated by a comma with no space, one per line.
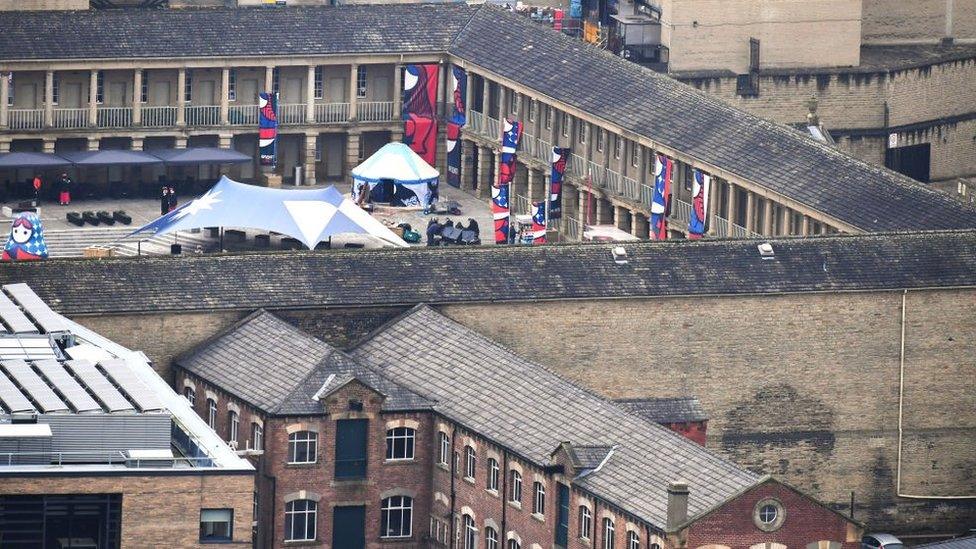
(469,532)
(318,82)
(538,498)
(100,87)
(362,82)
(514,544)
(633,540)
(581,132)
(491,538)
(230,526)
(212,413)
(408,435)
(548,116)
(532,107)
(515,486)
(609,533)
(564,123)
(444,450)
(310,440)
(275,80)
(144,87)
(310,510)
(470,462)
(634,154)
(599,139)
(585,523)
(493,471)
(188,86)
(233,425)
(257,437)
(55,89)
(405,509)
(190,395)
(232,84)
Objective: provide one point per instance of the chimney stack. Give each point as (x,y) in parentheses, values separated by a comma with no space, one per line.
(677,503)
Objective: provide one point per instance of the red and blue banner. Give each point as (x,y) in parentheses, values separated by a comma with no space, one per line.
(511,133)
(268,128)
(661,203)
(700,190)
(558,173)
(539,222)
(420,110)
(457,119)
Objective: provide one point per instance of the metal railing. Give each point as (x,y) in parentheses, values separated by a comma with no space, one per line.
(242,115)
(158,116)
(520,205)
(492,128)
(110,457)
(475,122)
(70,118)
(573,230)
(374,111)
(680,211)
(202,115)
(113,117)
(330,113)
(25,119)
(291,113)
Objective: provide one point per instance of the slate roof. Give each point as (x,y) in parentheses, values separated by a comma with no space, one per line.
(589,457)
(665,410)
(967,542)
(530,410)
(512,46)
(278,368)
(387,277)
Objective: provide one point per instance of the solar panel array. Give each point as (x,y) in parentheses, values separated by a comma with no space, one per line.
(13,318)
(138,391)
(47,319)
(34,386)
(26,347)
(13,400)
(101,387)
(68,386)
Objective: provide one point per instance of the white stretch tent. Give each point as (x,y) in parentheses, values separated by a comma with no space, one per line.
(398,163)
(310,216)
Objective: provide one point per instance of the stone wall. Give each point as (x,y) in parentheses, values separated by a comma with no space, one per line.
(31,5)
(887,22)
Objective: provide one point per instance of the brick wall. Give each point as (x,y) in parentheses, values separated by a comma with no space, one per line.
(157,510)
(692,430)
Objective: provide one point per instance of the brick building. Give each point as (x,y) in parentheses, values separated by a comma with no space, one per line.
(429,435)
(683,415)
(96,450)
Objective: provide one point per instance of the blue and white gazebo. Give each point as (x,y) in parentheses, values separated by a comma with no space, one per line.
(397,163)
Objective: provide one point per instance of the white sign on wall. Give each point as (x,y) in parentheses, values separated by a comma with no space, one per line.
(892,140)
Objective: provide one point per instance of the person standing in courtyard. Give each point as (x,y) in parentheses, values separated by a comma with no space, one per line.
(164,202)
(65,197)
(37,189)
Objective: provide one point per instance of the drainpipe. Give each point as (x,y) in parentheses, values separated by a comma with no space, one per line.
(453,489)
(504,480)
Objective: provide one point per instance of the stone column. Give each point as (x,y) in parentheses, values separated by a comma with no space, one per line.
(353,90)
(93,143)
(805,228)
(137,77)
(311,144)
(646,155)
(137,143)
(48,99)
(352,150)
(179,142)
(750,210)
(589,141)
(581,210)
(310,95)
(502,102)
(4,145)
(268,79)
(713,204)
(225,141)
(4,98)
(469,93)
(181,97)
(634,224)
(93,98)
(49,143)
(620,218)
(224,96)
(731,206)
(767,228)
(784,220)
(467,165)
(485,96)
(530,184)
(397,92)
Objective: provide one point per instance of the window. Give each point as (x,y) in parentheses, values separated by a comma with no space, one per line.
(317,83)
(399,443)
(300,520)
(257,437)
(769,515)
(514,544)
(633,540)
(10,89)
(599,139)
(634,154)
(469,462)
(144,88)
(445,448)
(211,413)
(216,525)
(531,110)
(99,87)
(513,104)
(190,395)
(491,538)
(55,90)
(255,506)
(361,82)
(396,517)
(608,533)
(539,499)
(470,533)
(585,522)
(548,117)
(302,447)
(516,486)
(232,85)
(275,80)
(188,86)
(234,421)
(617,146)
(581,132)
(492,474)
(565,124)
(350,453)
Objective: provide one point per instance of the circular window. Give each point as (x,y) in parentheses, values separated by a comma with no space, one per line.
(769,515)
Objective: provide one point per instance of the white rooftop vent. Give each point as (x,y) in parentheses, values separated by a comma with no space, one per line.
(766,251)
(619,255)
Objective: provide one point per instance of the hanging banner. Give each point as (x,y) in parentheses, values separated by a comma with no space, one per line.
(559,157)
(700,189)
(420,110)
(268,128)
(539,222)
(511,132)
(661,203)
(458,117)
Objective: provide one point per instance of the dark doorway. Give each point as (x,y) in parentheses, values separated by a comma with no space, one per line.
(562,518)
(351,449)
(912,161)
(349,527)
(60,521)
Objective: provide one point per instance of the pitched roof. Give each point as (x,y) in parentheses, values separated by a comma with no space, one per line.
(665,410)
(967,542)
(278,368)
(530,410)
(386,277)
(590,457)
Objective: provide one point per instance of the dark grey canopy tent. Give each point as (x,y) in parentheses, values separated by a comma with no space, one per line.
(16,160)
(199,155)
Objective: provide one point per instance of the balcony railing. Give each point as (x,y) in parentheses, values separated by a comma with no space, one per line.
(158,116)
(375,111)
(291,113)
(242,115)
(25,119)
(202,115)
(114,117)
(70,118)
(331,113)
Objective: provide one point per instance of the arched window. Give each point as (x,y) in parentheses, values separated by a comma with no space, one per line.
(539,499)
(396,518)
(470,533)
(633,540)
(469,462)
(211,413)
(303,447)
(608,534)
(300,520)
(492,474)
(399,443)
(445,448)
(234,422)
(515,486)
(257,436)
(585,522)
(190,395)
(491,538)
(514,544)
